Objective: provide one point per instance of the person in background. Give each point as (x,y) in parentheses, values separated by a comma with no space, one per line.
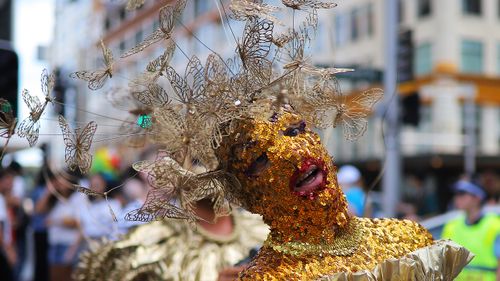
(96,219)
(20,219)
(61,207)
(477,231)
(40,234)
(172,249)
(349,179)
(135,191)
(491,183)
(7,251)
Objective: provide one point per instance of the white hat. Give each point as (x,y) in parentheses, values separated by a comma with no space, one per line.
(348,175)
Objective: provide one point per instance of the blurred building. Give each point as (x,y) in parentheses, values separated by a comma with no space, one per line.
(23,56)
(81,24)
(448,53)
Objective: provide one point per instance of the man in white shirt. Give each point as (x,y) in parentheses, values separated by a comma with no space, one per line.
(7,251)
(96,213)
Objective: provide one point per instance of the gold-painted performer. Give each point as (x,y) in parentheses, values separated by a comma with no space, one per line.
(287,176)
(248,120)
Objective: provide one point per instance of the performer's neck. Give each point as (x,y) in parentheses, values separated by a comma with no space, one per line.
(283,230)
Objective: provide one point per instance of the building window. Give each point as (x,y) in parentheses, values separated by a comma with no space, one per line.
(321,40)
(122,46)
(498,58)
(472,56)
(400,11)
(423,59)
(42,53)
(151,28)
(139,37)
(498,7)
(424,8)
(156,24)
(123,14)
(355,24)
(107,23)
(471,7)
(201,6)
(370,19)
(341,29)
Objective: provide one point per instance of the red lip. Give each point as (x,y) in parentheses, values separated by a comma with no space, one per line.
(310,179)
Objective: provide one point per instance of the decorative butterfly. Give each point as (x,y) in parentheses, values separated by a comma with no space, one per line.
(153,210)
(156,67)
(97,78)
(153,96)
(254,48)
(244,9)
(190,87)
(78,144)
(169,182)
(167,16)
(216,75)
(87,191)
(172,182)
(352,112)
(29,128)
(311,4)
(134,4)
(323,73)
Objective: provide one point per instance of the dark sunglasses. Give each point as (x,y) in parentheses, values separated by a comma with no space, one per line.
(460,193)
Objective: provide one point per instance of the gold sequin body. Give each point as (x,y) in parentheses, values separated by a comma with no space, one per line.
(311,234)
(383,239)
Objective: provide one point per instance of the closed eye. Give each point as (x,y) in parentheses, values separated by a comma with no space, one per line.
(258,166)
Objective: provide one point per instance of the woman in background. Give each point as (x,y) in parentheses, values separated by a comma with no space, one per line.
(135,190)
(61,207)
(40,234)
(96,219)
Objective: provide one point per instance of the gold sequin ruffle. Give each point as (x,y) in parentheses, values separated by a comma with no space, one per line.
(443,260)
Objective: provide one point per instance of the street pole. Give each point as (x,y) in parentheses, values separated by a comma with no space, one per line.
(470,131)
(392,173)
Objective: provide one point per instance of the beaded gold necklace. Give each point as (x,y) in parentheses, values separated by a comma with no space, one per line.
(345,243)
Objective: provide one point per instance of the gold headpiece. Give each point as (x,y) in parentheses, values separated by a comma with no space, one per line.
(269,73)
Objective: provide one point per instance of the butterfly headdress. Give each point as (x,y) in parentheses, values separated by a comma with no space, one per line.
(268,71)
(77,155)
(29,128)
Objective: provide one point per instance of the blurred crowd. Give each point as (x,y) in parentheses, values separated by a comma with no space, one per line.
(45,227)
(475,228)
(47,224)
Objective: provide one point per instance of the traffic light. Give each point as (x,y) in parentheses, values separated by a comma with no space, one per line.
(410,109)
(9,74)
(6,20)
(59,92)
(405,56)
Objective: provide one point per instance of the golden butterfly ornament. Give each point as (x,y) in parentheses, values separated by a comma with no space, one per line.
(96,79)
(167,17)
(77,155)
(29,128)
(352,112)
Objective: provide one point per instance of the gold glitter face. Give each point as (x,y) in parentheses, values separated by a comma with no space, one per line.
(287,176)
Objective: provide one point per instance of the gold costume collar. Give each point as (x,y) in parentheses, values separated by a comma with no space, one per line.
(345,243)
